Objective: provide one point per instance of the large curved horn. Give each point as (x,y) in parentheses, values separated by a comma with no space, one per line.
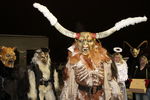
(121,24)
(145,41)
(128,44)
(53,20)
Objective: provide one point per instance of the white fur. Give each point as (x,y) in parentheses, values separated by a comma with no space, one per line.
(129,21)
(56,82)
(44,91)
(45,70)
(33,92)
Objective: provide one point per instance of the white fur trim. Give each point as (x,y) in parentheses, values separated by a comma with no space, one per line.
(44,69)
(129,21)
(46,13)
(32,92)
(71,48)
(46,92)
(56,80)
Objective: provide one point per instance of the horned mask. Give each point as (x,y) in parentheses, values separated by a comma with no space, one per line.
(7,56)
(136,50)
(85,40)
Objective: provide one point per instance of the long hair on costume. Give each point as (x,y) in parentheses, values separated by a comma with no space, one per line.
(113,67)
(121,58)
(97,55)
(36,60)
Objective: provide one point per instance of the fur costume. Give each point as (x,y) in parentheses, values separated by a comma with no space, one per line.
(89,75)
(8,74)
(93,70)
(39,76)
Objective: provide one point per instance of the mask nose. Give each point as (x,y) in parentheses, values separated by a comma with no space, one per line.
(85,44)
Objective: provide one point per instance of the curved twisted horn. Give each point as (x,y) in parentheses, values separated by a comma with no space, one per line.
(53,20)
(128,44)
(145,41)
(121,24)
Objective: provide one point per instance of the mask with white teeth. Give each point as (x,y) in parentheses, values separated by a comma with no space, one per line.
(85,42)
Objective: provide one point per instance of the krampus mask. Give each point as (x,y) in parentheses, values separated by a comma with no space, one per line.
(135,51)
(7,56)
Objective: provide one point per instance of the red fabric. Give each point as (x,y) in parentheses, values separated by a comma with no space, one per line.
(130,80)
(94,35)
(147,82)
(77,35)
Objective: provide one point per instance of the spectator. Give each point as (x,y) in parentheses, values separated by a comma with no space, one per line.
(122,73)
(143,72)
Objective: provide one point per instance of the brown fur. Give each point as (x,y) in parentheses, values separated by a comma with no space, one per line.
(98,54)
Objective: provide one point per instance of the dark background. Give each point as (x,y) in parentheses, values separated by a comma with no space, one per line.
(18,17)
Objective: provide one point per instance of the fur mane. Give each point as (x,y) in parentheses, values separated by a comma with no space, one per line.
(96,56)
(35,60)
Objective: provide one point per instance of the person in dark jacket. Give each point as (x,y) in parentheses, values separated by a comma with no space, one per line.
(143,72)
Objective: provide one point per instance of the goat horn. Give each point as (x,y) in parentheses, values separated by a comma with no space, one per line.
(128,44)
(145,41)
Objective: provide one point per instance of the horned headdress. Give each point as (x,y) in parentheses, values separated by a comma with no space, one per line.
(136,50)
(98,35)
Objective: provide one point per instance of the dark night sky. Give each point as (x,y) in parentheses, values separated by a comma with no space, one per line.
(19,17)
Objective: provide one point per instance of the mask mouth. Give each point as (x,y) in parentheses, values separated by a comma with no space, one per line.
(10,64)
(85,51)
(44,61)
(134,55)
(11,61)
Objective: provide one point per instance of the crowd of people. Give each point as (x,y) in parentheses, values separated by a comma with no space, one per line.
(91,73)
(141,71)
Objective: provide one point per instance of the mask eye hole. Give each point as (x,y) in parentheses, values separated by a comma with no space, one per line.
(89,41)
(7,55)
(80,41)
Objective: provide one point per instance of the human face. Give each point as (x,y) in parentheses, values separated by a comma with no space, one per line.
(143,61)
(117,58)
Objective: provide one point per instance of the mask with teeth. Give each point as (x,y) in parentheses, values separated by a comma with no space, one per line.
(85,42)
(7,56)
